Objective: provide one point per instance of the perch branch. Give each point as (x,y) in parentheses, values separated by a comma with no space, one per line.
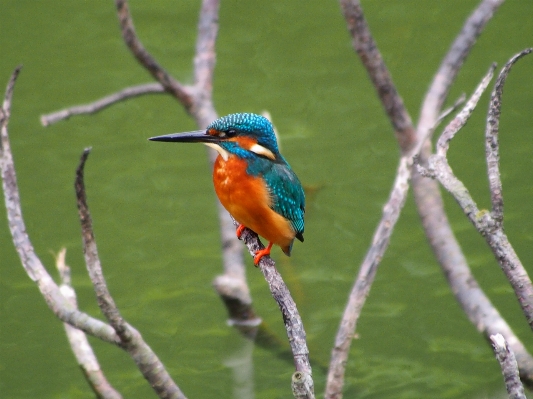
(130,339)
(507,360)
(291,318)
(96,106)
(491,230)
(31,263)
(78,340)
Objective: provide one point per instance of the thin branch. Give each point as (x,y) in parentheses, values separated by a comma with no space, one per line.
(370,56)
(78,340)
(491,141)
(105,301)
(460,120)
(451,64)
(291,317)
(205,57)
(507,360)
(131,341)
(99,105)
(448,111)
(183,93)
(31,263)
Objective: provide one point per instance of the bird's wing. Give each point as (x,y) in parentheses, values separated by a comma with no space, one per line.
(288,198)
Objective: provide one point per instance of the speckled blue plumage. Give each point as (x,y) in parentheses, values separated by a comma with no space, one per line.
(288,198)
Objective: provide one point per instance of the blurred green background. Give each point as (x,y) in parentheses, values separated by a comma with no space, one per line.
(153,205)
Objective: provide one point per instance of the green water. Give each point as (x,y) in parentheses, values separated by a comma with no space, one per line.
(153,205)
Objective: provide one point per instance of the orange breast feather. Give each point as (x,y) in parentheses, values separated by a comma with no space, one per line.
(247,199)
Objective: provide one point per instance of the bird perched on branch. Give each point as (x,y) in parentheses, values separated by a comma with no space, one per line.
(252,180)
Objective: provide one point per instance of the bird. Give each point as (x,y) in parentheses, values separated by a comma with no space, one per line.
(252,180)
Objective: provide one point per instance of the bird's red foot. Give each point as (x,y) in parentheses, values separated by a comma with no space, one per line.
(240,229)
(262,252)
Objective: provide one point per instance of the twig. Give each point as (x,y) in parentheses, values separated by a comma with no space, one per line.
(98,105)
(450,110)
(183,93)
(492,231)
(507,360)
(460,120)
(491,141)
(78,340)
(291,317)
(31,263)
(130,339)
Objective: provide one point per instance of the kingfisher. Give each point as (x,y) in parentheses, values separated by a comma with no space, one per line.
(252,180)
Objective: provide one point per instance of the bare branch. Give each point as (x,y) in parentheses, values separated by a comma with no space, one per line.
(472,299)
(182,93)
(78,340)
(291,317)
(99,105)
(506,358)
(487,227)
(130,339)
(368,52)
(31,263)
(491,140)
(105,301)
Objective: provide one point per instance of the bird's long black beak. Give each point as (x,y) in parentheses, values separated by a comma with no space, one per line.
(198,136)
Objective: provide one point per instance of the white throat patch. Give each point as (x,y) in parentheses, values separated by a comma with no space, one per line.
(223,153)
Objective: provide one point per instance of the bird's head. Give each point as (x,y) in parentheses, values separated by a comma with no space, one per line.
(238,134)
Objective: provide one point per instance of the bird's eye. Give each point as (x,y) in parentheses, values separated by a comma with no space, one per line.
(231,132)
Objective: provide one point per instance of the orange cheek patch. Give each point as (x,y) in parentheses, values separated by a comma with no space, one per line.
(244,142)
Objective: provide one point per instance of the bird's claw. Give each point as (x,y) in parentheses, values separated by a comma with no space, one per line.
(240,229)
